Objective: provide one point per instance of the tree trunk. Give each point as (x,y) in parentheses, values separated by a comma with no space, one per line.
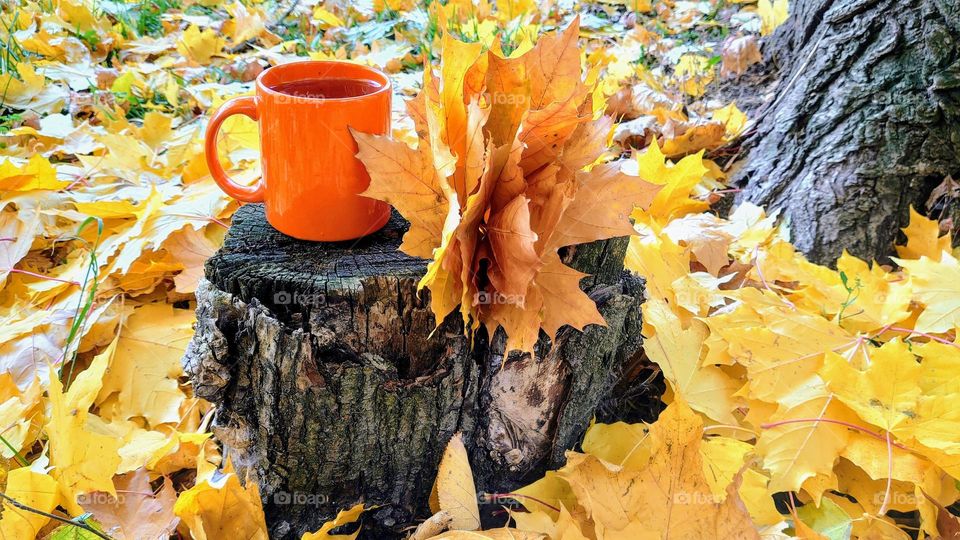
(866,121)
(332,386)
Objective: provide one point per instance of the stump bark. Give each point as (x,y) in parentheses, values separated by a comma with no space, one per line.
(334,385)
(866,121)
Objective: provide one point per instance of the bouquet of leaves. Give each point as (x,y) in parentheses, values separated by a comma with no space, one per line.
(507,171)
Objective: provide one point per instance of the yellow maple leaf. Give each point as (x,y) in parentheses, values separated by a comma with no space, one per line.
(325,18)
(732,118)
(83,460)
(677,350)
(33,489)
(868,297)
(218,506)
(31,90)
(200,45)
(35,174)
(796,446)
(756,497)
(620,443)
(923,238)
(142,378)
(660,261)
(678,181)
(885,393)
(781,348)
(670,495)
(888,394)
(936,284)
(246,22)
(548,500)
(772,13)
(723,460)
(694,73)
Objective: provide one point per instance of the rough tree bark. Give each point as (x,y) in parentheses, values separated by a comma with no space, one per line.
(866,121)
(332,386)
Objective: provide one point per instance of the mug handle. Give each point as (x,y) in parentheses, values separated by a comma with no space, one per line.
(246,105)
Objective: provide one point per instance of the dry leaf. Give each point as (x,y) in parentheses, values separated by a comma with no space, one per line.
(343,517)
(136,512)
(493,191)
(456,494)
(218,506)
(739,53)
(433,526)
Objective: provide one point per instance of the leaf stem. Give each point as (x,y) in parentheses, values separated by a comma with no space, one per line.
(729,426)
(861,429)
(924,334)
(886,492)
(41,276)
(55,517)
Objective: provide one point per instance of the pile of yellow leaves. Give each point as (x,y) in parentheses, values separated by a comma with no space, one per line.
(497,185)
(835,379)
(833,388)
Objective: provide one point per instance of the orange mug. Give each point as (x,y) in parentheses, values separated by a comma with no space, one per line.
(311,177)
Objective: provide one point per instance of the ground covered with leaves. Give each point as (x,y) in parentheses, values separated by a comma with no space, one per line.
(802,401)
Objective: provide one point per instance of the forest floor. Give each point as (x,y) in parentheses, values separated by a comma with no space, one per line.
(801,400)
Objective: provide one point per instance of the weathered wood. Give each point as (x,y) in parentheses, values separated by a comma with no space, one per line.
(866,121)
(333,386)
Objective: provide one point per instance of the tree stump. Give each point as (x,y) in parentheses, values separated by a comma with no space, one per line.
(333,384)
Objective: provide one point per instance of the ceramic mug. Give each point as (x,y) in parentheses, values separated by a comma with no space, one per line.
(311,177)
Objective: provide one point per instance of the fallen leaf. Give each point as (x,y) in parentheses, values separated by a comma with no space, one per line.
(33,489)
(218,506)
(343,517)
(923,239)
(936,284)
(136,512)
(455,492)
(773,13)
(739,53)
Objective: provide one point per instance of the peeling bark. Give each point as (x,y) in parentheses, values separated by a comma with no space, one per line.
(865,123)
(332,386)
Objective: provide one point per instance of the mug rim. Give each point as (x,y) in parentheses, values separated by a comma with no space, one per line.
(386,84)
